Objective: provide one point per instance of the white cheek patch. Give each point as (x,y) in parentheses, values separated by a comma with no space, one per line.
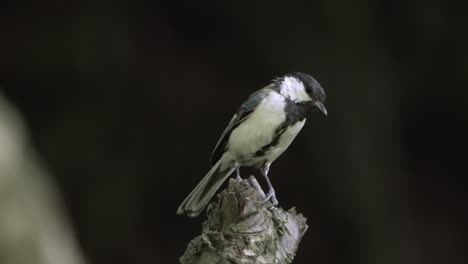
(294,90)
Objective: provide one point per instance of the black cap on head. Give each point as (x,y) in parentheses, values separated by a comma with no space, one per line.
(312,86)
(313,89)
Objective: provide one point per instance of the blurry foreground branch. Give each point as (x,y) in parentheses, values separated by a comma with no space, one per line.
(241,228)
(33,229)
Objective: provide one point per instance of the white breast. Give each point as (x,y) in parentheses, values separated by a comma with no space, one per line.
(258,129)
(285,140)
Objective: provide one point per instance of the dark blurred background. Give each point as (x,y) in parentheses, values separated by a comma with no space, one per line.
(124,102)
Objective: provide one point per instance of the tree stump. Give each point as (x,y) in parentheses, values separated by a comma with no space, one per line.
(241,228)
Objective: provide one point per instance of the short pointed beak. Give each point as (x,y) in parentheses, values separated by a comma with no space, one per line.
(321,107)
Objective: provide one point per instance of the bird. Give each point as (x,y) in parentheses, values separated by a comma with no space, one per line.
(259,132)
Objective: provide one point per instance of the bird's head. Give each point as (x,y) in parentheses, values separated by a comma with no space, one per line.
(302,88)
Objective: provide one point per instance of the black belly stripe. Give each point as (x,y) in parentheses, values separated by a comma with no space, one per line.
(294,113)
(272,144)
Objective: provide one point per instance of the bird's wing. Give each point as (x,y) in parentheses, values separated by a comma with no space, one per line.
(244,111)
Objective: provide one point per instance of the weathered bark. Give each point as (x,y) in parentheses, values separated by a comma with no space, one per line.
(242,228)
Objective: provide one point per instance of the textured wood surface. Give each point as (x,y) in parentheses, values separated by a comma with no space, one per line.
(242,228)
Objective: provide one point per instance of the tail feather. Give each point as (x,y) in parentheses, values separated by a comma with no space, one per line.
(197,200)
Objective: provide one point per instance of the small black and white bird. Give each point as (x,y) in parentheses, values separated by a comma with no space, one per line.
(260,131)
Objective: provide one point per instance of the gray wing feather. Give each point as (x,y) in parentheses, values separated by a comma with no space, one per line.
(244,111)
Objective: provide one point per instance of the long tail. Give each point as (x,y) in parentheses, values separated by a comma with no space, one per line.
(194,204)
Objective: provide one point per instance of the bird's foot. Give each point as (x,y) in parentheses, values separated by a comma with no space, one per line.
(238,177)
(271,196)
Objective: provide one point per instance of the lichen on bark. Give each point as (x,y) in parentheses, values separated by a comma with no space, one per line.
(242,229)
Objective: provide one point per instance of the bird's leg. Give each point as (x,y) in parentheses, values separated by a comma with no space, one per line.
(238,177)
(271,195)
